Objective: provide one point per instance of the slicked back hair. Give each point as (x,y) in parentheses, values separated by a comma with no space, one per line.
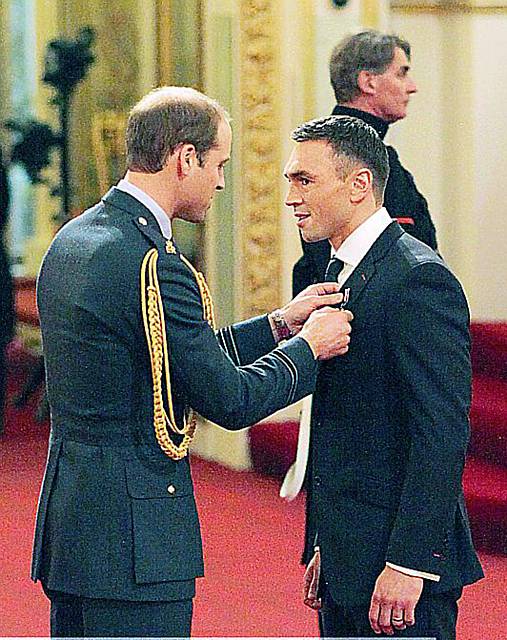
(354,143)
(365,51)
(165,118)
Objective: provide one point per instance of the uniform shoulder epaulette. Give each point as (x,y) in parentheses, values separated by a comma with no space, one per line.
(154,321)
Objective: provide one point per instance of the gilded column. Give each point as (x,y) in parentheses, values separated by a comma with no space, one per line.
(260,159)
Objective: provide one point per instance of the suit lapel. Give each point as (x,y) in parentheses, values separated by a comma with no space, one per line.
(365,270)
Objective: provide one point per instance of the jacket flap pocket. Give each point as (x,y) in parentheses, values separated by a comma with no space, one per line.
(145,483)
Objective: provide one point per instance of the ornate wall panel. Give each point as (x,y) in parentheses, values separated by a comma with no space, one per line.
(260,127)
(450,7)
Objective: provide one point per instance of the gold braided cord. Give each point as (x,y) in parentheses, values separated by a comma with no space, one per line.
(155,330)
(207,301)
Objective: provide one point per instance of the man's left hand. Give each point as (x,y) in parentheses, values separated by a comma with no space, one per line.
(297,311)
(393,601)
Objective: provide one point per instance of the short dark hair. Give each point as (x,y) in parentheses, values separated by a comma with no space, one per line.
(165,118)
(353,142)
(365,51)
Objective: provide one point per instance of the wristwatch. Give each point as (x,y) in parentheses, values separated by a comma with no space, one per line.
(281,327)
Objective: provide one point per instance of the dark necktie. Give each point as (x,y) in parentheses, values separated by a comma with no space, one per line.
(333,269)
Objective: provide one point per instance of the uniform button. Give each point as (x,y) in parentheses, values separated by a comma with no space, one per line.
(142,221)
(171,489)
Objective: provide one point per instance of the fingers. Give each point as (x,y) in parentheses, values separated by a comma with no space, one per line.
(328,299)
(344,314)
(410,614)
(398,618)
(343,345)
(394,600)
(321,288)
(386,618)
(312,577)
(348,315)
(373,615)
(310,597)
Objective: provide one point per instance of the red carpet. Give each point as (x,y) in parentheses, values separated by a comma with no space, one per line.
(252,547)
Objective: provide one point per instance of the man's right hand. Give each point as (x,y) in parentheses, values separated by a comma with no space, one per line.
(327,332)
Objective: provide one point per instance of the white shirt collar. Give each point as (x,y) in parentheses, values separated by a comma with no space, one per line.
(356,246)
(160,215)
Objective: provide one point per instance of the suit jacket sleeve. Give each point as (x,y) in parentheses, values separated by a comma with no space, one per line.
(430,342)
(207,378)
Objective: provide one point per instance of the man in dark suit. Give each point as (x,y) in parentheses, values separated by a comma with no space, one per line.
(370,75)
(387,528)
(130,351)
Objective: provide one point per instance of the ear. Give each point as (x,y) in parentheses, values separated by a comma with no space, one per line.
(186,159)
(367,82)
(361,185)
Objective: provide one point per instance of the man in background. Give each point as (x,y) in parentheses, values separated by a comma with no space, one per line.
(130,351)
(370,75)
(387,540)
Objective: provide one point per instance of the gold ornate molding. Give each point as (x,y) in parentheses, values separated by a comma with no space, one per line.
(370,13)
(108,140)
(446,7)
(260,127)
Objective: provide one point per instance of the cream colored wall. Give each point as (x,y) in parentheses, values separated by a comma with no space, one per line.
(489,283)
(331,25)
(453,142)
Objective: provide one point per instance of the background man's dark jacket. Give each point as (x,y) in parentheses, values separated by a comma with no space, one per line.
(390,427)
(117,517)
(402,200)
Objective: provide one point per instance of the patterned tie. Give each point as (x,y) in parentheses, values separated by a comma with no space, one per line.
(333,270)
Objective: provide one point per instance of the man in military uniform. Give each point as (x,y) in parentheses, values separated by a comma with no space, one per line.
(130,351)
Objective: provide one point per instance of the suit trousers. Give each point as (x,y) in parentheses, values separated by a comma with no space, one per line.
(435,617)
(77,617)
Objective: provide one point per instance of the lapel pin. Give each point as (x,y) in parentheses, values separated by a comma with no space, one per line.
(143,221)
(363,276)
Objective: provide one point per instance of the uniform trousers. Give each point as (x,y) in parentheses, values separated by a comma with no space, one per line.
(435,617)
(77,617)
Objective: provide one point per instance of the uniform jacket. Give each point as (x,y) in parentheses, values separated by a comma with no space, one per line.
(390,427)
(117,517)
(402,199)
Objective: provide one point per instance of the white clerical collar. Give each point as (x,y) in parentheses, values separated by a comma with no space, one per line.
(160,215)
(356,246)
